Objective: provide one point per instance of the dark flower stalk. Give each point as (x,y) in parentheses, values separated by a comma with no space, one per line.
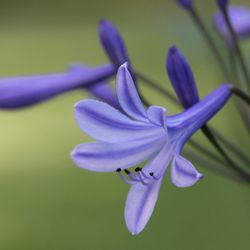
(208,38)
(236,46)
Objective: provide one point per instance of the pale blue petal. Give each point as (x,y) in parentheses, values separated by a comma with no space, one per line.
(104,123)
(140,205)
(158,165)
(107,157)
(128,96)
(183,173)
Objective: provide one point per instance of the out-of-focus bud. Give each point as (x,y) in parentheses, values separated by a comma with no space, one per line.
(240,20)
(181,77)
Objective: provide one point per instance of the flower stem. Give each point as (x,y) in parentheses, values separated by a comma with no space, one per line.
(236,46)
(243,96)
(211,44)
(207,132)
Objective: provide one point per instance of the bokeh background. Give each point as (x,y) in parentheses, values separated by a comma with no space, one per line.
(48,203)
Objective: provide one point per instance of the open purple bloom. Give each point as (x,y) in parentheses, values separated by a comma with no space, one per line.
(140,135)
(181,77)
(20,91)
(240,20)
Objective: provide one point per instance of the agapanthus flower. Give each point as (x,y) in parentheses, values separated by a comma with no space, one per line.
(240,20)
(17,92)
(140,135)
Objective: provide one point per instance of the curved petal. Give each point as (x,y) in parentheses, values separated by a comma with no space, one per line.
(104,123)
(157,115)
(183,173)
(140,205)
(108,157)
(128,96)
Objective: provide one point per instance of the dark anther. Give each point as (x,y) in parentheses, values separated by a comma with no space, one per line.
(118,170)
(137,169)
(151,174)
(126,171)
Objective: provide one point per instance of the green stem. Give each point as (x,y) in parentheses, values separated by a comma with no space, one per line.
(211,44)
(236,47)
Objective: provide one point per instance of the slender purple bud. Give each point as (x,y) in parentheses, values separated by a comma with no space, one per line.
(187,4)
(112,42)
(222,3)
(181,77)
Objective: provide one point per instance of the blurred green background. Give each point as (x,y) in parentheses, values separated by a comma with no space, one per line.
(48,203)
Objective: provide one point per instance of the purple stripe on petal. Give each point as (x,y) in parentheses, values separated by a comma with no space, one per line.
(183,173)
(108,157)
(140,205)
(16,92)
(104,123)
(128,96)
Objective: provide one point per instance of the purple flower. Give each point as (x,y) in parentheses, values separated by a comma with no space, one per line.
(240,20)
(187,4)
(181,77)
(124,140)
(17,92)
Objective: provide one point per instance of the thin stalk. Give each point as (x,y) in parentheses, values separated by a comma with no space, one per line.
(231,147)
(236,47)
(211,165)
(207,132)
(211,44)
(241,95)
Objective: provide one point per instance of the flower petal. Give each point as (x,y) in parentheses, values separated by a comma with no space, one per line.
(183,173)
(140,205)
(128,96)
(108,157)
(158,165)
(157,115)
(16,92)
(104,123)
